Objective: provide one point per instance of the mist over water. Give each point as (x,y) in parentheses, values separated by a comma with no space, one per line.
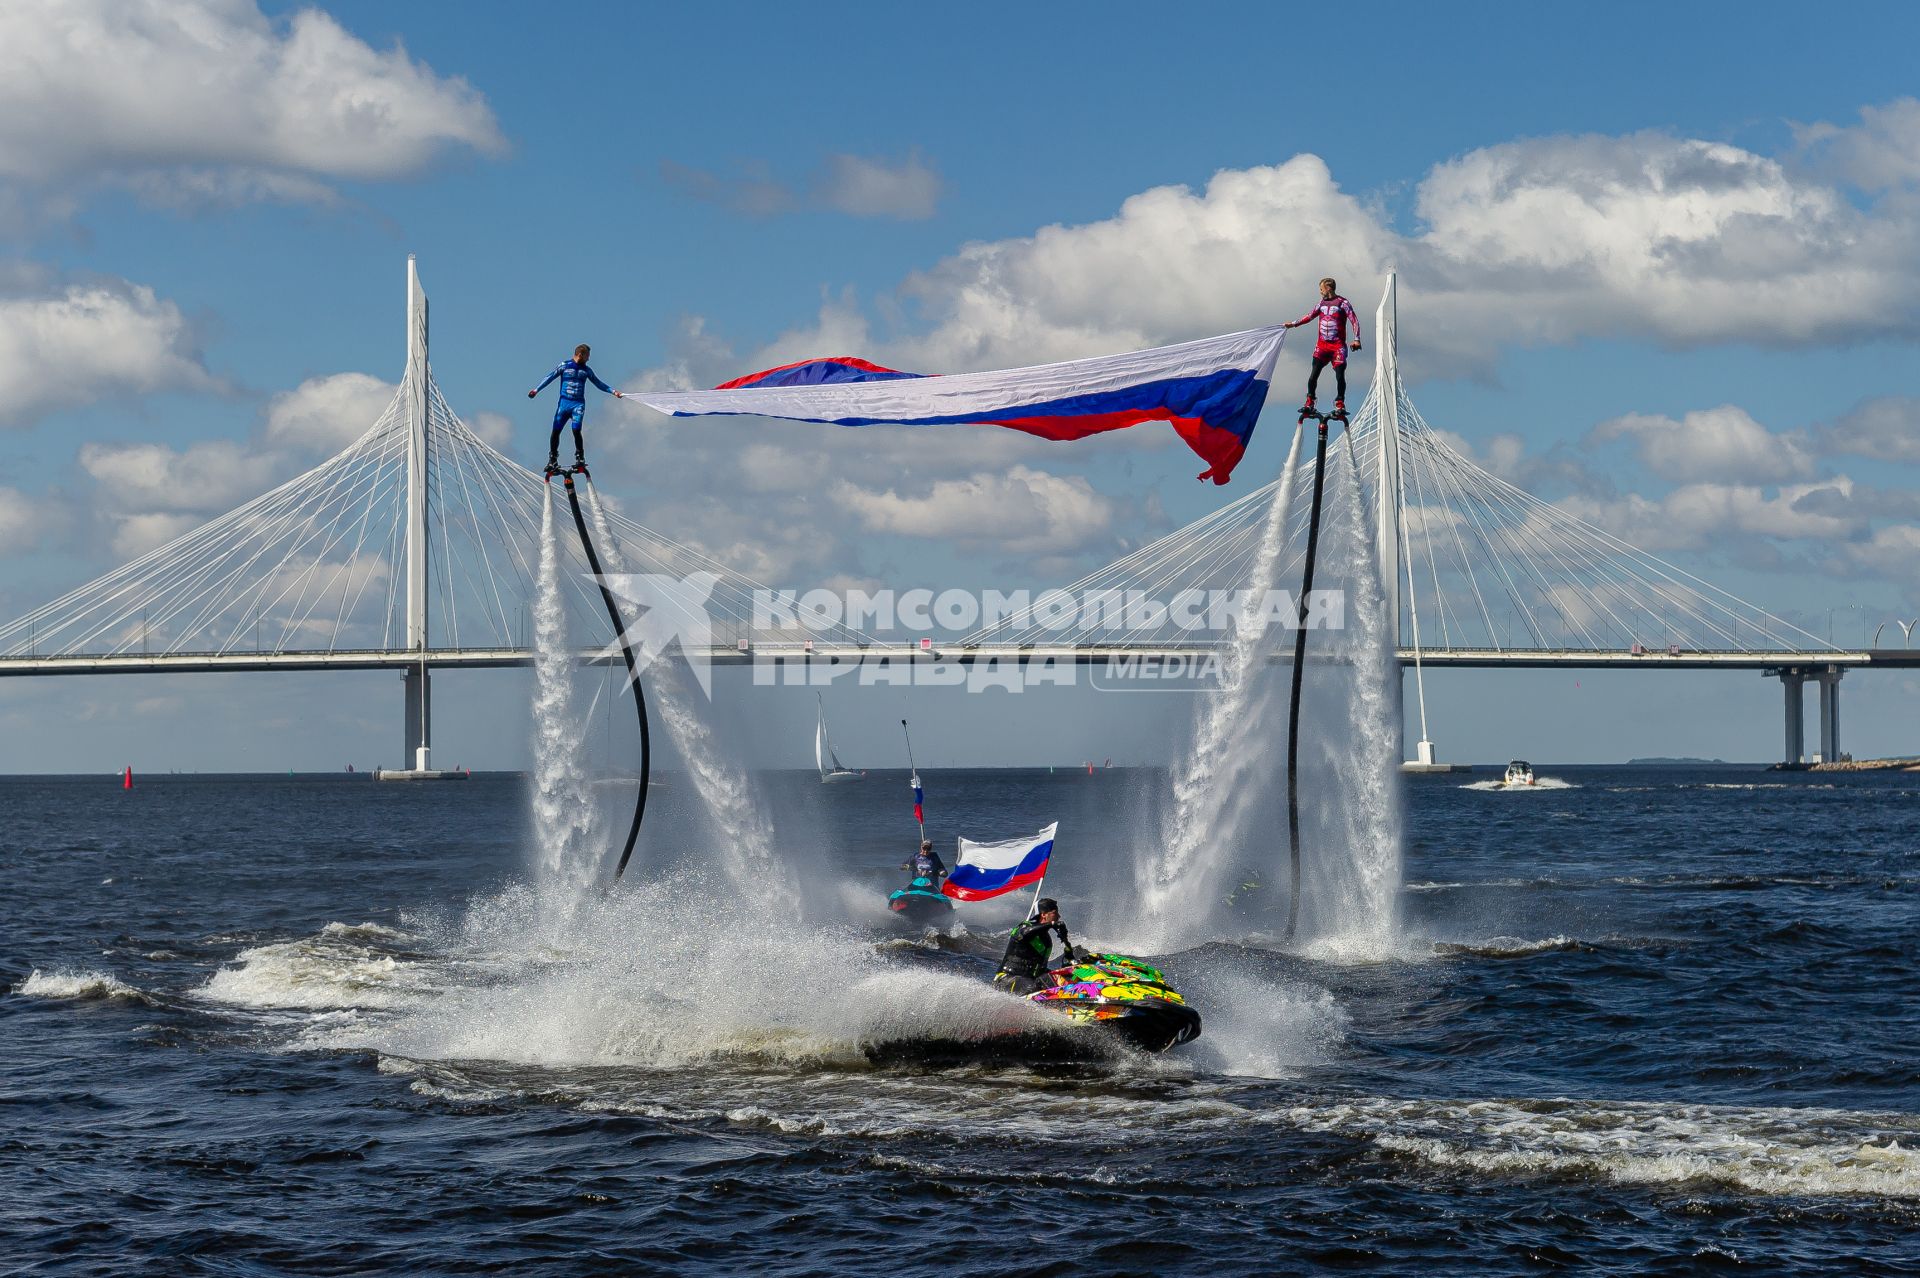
(738,814)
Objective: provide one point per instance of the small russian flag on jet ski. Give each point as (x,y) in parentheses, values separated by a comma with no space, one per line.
(1211,392)
(987,870)
(919,798)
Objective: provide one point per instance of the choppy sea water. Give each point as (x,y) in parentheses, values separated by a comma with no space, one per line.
(1648,1021)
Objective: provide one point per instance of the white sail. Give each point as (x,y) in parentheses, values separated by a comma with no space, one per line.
(823,752)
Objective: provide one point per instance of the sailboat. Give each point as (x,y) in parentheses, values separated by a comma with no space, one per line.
(823,751)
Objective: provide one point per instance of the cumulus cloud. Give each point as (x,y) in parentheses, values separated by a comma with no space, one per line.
(22,522)
(1886,428)
(135,534)
(207,476)
(1699,515)
(1505,456)
(1670,239)
(129,341)
(1881,152)
(1021,510)
(859,186)
(1892,552)
(1722,444)
(328,413)
(193,101)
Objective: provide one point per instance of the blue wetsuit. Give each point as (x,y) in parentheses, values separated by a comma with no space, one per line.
(572,408)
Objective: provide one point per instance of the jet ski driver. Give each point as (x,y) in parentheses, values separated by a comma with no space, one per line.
(926,864)
(1028,957)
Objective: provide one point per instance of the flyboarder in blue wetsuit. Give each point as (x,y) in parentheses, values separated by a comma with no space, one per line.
(572,409)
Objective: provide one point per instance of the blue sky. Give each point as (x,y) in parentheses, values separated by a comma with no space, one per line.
(783,181)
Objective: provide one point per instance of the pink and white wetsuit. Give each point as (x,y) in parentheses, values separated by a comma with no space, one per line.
(1333,315)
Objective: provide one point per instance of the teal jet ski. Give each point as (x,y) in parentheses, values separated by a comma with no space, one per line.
(920,902)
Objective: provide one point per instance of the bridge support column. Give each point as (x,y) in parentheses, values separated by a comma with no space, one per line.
(1794,681)
(413,751)
(1397,688)
(1830,714)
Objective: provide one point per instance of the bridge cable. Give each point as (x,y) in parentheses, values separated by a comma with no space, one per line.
(633,675)
(1299,670)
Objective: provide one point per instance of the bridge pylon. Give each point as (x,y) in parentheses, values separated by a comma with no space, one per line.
(415,682)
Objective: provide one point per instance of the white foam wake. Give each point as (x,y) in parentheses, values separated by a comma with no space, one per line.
(343,966)
(1812,1152)
(68,983)
(1539,784)
(656,975)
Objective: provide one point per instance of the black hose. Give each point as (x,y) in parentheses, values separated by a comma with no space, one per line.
(1299,671)
(633,677)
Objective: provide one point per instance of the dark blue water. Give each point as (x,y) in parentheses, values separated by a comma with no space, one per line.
(1660,1021)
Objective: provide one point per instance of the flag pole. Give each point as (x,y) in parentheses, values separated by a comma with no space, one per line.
(1042,882)
(1031,905)
(913,775)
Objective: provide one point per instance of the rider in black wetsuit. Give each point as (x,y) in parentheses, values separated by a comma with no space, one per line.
(926,864)
(1028,957)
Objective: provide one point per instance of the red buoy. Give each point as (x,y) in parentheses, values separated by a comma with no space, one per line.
(126,779)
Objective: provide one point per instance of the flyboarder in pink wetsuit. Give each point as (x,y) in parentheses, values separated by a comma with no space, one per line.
(1334,314)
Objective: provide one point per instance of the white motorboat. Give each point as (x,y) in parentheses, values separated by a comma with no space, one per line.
(1519,773)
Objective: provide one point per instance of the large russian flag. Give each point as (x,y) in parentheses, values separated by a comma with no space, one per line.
(986,870)
(1210,390)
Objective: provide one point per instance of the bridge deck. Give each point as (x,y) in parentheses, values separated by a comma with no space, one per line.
(491,658)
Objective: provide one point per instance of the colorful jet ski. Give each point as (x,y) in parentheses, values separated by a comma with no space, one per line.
(920,902)
(1123,997)
(1108,1004)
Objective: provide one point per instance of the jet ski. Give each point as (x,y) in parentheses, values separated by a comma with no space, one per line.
(1123,997)
(1109,1004)
(920,902)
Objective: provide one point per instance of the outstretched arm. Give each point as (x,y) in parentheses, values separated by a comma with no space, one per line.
(1308,318)
(543,385)
(595,379)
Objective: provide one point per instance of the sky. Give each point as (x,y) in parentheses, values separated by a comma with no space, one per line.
(1658,263)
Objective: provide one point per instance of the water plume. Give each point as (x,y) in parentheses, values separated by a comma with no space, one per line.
(567,849)
(1226,825)
(1352,832)
(1220,772)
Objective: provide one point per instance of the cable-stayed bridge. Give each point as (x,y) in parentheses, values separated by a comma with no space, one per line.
(416,547)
